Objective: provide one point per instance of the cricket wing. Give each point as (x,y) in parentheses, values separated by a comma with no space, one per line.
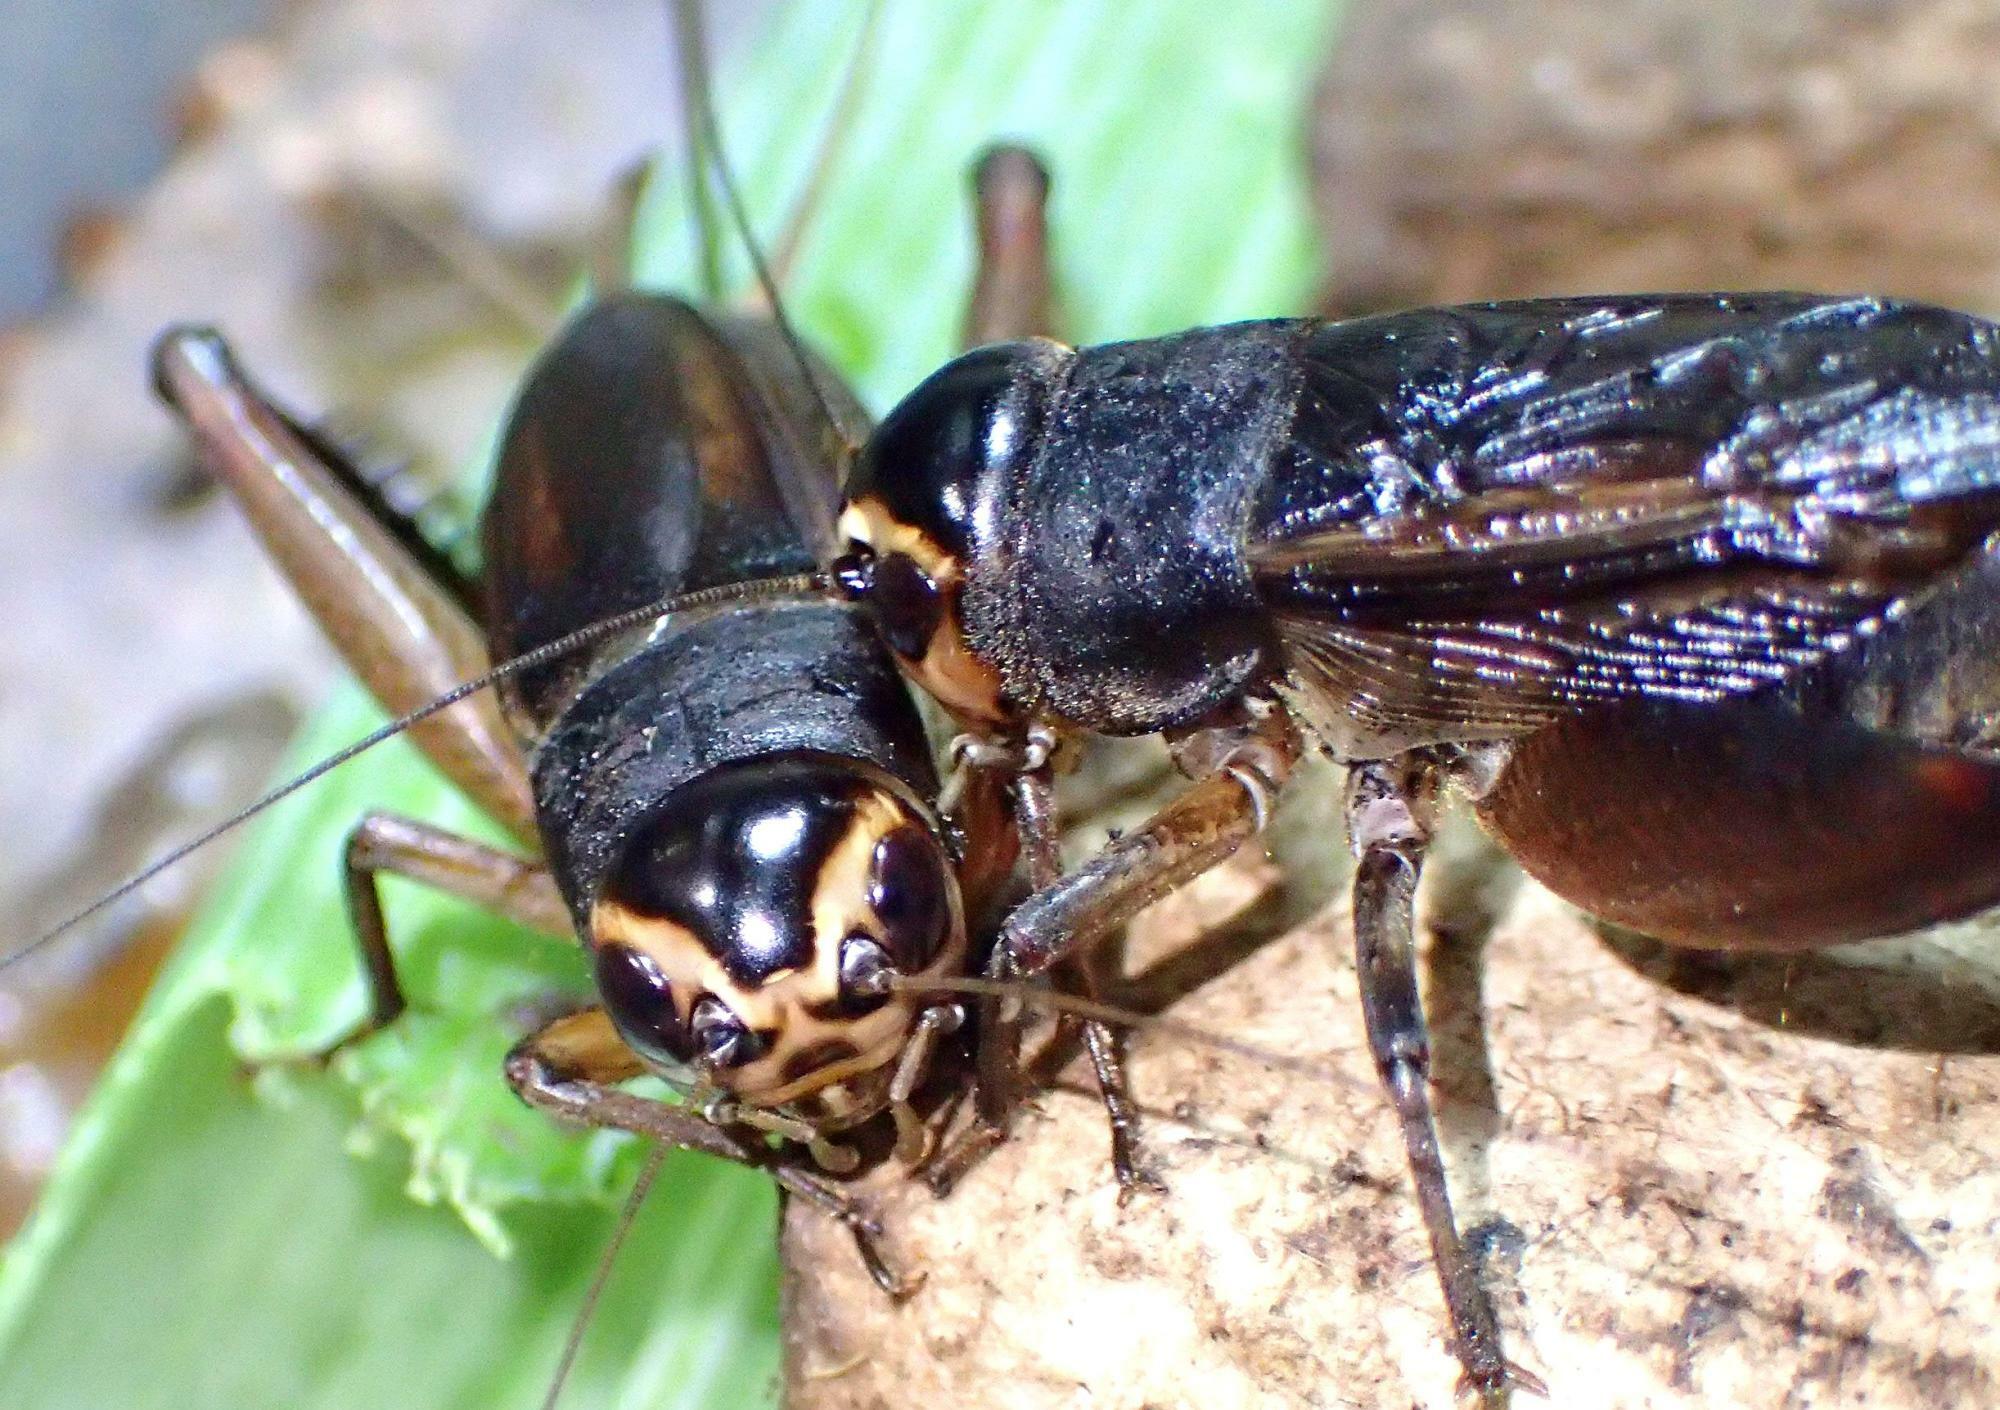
(1569,502)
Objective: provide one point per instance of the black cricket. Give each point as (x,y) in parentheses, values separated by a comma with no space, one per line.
(735,808)
(1684,594)
(731,802)
(1694,598)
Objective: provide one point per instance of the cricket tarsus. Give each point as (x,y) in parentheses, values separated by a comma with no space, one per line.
(383,844)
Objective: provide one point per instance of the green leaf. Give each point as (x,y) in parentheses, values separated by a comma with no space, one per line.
(333,1239)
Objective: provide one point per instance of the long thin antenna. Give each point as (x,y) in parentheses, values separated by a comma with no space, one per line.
(703,111)
(691,55)
(474,263)
(627,1216)
(833,136)
(1057,1002)
(797,585)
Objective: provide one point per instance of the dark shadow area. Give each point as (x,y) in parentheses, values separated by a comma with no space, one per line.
(1906,1007)
(1470,889)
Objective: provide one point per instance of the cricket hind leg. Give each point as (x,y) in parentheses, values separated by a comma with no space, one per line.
(1013,293)
(420,526)
(570,1069)
(403,632)
(1389,811)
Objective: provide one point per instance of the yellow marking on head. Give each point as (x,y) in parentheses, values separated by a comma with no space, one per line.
(781,1005)
(949,669)
(868,521)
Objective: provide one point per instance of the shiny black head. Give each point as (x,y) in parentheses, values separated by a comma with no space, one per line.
(925,505)
(748,928)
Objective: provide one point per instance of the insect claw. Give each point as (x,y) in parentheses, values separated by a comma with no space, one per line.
(1522,1379)
(1495,1385)
(866,1230)
(951,1164)
(1135,1180)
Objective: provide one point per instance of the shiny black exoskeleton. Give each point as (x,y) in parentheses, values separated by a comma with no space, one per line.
(1090,509)
(1126,537)
(1696,598)
(734,802)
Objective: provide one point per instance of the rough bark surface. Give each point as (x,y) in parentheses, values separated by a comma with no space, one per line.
(1467,150)
(1697,1181)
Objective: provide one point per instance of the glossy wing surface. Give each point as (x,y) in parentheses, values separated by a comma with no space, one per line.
(1496,515)
(652,451)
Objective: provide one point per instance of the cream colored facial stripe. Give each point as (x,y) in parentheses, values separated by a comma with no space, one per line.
(896,1034)
(773,1007)
(840,908)
(840,891)
(681,956)
(950,669)
(840,895)
(781,1004)
(868,521)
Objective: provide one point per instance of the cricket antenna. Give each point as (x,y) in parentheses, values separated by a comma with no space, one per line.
(1077,1006)
(834,131)
(705,141)
(627,1216)
(691,64)
(794,585)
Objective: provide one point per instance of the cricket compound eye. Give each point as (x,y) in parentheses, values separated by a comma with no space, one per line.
(639,999)
(909,894)
(907,607)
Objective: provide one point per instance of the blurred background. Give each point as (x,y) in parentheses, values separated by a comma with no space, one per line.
(387,202)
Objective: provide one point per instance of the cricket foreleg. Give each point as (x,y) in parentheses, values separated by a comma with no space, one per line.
(384,844)
(570,1069)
